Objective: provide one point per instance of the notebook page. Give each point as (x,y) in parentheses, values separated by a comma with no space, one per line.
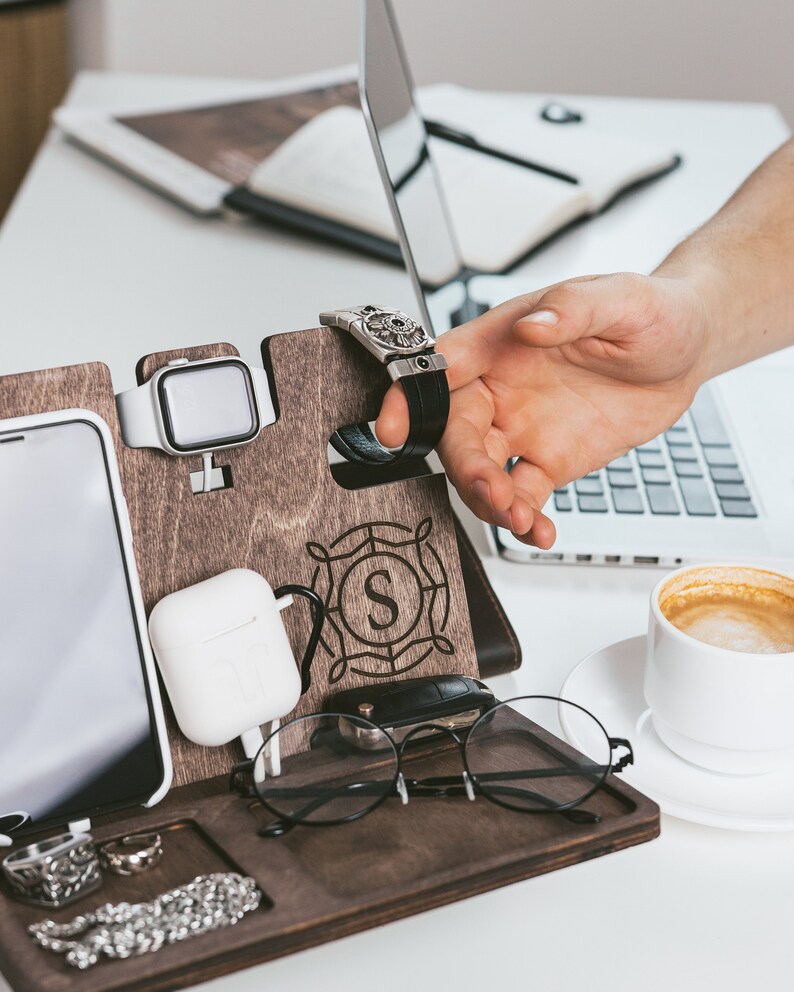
(499,211)
(604,162)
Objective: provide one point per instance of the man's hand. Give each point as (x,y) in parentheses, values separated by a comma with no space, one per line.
(564,380)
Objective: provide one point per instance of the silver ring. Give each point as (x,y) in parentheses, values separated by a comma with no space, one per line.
(144,851)
(55,871)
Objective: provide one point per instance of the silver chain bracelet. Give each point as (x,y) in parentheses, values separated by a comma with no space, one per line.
(207,903)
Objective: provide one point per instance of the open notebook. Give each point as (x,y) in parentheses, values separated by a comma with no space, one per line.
(499,210)
(302,158)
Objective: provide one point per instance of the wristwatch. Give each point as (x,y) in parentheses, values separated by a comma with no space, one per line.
(406,349)
(190,408)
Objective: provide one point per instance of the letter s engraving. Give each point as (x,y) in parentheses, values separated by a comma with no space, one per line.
(379,597)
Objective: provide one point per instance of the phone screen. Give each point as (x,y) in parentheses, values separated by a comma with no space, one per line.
(77,731)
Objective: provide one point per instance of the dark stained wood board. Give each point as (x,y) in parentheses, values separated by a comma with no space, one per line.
(287,518)
(86,387)
(322,883)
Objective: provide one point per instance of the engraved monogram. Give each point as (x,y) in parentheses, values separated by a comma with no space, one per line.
(386,594)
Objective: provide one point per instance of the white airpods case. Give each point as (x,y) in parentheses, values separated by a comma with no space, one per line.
(224,656)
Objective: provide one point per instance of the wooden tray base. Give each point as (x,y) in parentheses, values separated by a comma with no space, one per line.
(320,883)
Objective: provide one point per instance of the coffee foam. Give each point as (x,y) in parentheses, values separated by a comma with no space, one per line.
(741,609)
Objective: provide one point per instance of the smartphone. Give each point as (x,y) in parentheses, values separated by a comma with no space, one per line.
(82,730)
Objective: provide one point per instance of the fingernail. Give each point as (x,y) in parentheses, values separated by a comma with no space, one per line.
(547,317)
(481,490)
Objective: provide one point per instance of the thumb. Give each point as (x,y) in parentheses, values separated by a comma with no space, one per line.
(597,306)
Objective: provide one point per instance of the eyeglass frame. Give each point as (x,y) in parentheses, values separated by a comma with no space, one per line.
(437,786)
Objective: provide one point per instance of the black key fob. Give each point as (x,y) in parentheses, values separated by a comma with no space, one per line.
(447,702)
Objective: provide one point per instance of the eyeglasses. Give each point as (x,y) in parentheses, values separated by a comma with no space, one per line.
(347,765)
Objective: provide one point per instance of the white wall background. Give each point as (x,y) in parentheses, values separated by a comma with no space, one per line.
(709,49)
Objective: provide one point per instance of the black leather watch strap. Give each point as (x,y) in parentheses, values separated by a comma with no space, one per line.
(427,394)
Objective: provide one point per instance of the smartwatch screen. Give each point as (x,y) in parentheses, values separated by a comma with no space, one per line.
(208,406)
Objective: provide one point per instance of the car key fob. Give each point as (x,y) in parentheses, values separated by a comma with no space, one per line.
(445,702)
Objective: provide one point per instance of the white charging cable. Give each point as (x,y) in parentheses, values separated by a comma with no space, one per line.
(207,461)
(268,758)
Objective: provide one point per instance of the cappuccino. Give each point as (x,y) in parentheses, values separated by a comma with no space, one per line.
(719,668)
(741,609)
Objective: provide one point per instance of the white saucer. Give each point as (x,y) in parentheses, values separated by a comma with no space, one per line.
(609,684)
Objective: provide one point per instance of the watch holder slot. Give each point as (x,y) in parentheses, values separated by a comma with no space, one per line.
(221,478)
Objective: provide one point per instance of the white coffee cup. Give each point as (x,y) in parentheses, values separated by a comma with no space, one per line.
(725,709)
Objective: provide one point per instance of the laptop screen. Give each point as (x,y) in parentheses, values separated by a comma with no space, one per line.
(400,143)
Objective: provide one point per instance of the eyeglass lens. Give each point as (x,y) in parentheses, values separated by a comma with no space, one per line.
(523,764)
(350,766)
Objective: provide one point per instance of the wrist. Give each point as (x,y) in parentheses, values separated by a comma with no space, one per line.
(701,285)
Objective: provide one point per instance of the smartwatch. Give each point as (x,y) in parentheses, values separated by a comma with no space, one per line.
(190,408)
(406,349)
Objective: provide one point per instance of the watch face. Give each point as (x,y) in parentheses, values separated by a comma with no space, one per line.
(207,406)
(397,331)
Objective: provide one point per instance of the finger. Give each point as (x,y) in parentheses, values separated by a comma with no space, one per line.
(392,425)
(534,487)
(529,524)
(528,478)
(609,306)
(482,482)
(474,455)
(470,349)
(542,535)
(472,468)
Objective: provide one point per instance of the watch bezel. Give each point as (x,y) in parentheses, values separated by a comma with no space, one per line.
(217,443)
(367,314)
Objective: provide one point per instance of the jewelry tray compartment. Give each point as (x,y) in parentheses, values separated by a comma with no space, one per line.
(187,851)
(319,883)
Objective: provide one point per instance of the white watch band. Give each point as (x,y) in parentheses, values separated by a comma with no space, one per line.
(139,417)
(264,398)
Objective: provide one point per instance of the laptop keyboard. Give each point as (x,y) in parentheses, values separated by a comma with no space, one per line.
(690,470)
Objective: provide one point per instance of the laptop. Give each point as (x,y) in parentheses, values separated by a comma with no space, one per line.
(719,485)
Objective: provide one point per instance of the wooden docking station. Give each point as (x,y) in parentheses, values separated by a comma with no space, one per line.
(285,515)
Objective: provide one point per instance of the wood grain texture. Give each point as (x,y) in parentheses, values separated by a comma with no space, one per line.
(86,387)
(323,883)
(286,518)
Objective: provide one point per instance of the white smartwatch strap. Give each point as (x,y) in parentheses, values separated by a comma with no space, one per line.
(139,411)
(139,417)
(264,398)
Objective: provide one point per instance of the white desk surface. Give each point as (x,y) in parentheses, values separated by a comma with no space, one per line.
(94,266)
